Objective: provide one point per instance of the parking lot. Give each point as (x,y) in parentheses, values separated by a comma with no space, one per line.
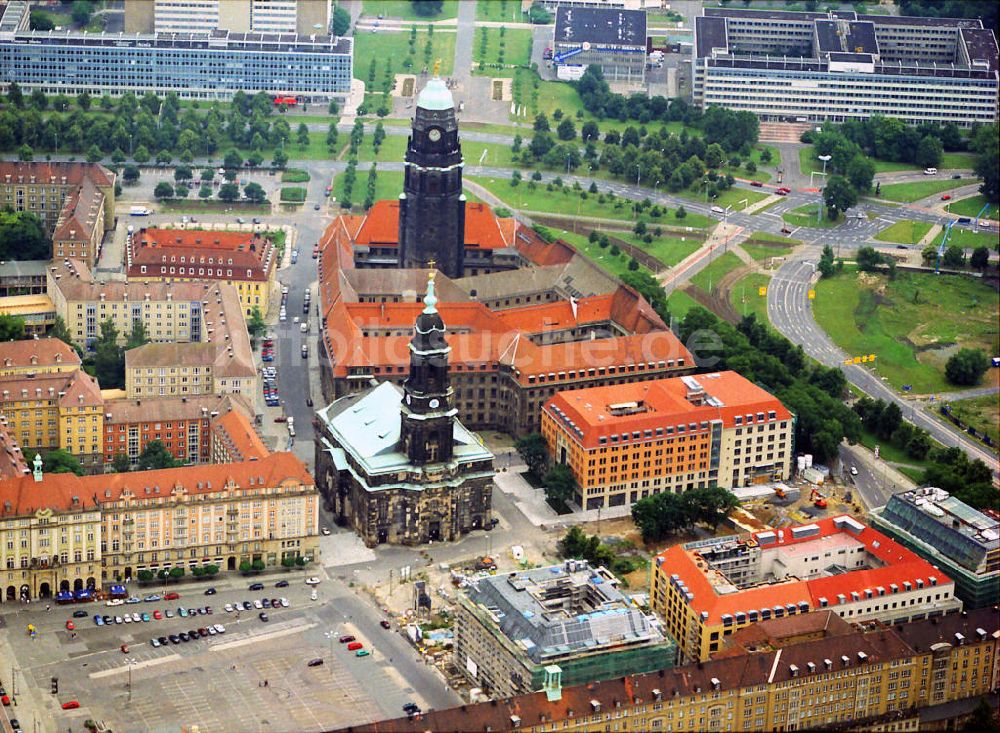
(253,677)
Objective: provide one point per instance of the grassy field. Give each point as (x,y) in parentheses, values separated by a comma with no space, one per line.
(499,10)
(746,298)
(198,206)
(394,48)
(913,324)
(957,160)
(972,206)
(982,413)
(403,9)
(773,239)
(808,162)
(761,252)
(293,195)
(679,303)
(710,276)
(805,216)
(969,239)
(516,49)
(916,190)
(294,175)
(616,265)
(904,232)
(912,467)
(667,249)
(730,197)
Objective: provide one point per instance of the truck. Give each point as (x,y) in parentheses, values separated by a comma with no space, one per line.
(140,211)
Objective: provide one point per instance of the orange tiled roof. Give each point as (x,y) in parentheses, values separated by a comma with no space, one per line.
(79,214)
(64,388)
(901,565)
(49,173)
(12,463)
(57,490)
(483,230)
(240,437)
(46,352)
(665,402)
(160,250)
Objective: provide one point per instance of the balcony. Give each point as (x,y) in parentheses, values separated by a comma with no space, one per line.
(43,564)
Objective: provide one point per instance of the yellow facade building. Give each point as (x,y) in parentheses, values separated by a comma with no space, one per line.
(37,356)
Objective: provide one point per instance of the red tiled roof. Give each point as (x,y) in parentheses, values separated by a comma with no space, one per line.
(12,463)
(666,404)
(67,388)
(158,250)
(79,214)
(540,252)
(901,565)
(380,227)
(53,172)
(239,435)
(57,490)
(48,352)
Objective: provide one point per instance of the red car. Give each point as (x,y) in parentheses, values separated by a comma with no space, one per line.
(171,596)
(354,646)
(384,624)
(71,705)
(946,197)
(756,184)
(5,699)
(315,253)
(157,615)
(70,626)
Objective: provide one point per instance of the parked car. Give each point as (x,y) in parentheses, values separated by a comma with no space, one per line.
(258,604)
(256,586)
(71,705)
(134,599)
(220,629)
(756,184)
(281,584)
(182,612)
(163,640)
(946,197)
(262,616)
(318,662)
(210,591)
(157,615)
(98,619)
(171,596)
(346,638)
(203,632)
(284,603)
(136,618)
(146,617)
(184,637)
(354,646)
(119,620)
(175,639)
(169,614)
(313,581)
(362,653)
(152,598)
(786,230)
(70,626)
(115,602)
(154,643)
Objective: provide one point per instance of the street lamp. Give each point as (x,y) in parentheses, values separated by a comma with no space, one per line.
(819,209)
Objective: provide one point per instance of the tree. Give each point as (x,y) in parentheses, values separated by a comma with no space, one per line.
(983,719)
(257,566)
(541,123)
(137,336)
(121,463)
(245,567)
(82,10)
(534,451)
(302,134)
(980,259)
(176,573)
(59,331)
(181,191)
(130,173)
(566,129)
(341,24)
(210,570)
(183,173)
(163,190)
(22,237)
(38,100)
(279,159)
(41,21)
(11,327)
(205,192)
(929,152)
(590,131)
(826,265)
(868,259)
(26,153)
(155,456)
(255,192)
(954,256)
(985,143)
(426,8)
(967,367)
(141,155)
(559,483)
(60,461)
(232,160)
(860,172)
(710,505)
(84,101)
(229,192)
(15,96)
(109,357)
(839,196)
(146,576)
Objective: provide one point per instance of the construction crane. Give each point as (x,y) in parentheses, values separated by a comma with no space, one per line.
(944,243)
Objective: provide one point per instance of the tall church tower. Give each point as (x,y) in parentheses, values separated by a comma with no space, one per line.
(432,206)
(427,431)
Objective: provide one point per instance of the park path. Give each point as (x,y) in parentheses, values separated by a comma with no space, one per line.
(929,237)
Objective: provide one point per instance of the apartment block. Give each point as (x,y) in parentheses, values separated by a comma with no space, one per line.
(245,260)
(75,201)
(234,438)
(626,442)
(842,65)
(37,356)
(511,630)
(813,672)
(707,590)
(12,461)
(50,536)
(951,535)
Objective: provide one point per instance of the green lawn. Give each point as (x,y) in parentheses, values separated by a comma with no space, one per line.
(972,206)
(293,195)
(616,265)
(912,324)
(914,467)
(982,413)
(394,48)
(667,249)
(388,185)
(957,160)
(916,190)
(679,303)
(805,216)
(404,10)
(760,174)
(761,252)
(970,239)
(808,162)
(746,298)
(499,10)
(516,50)
(730,197)
(904,232)
(773,240)
(567,201)
(294,175)
(709,277)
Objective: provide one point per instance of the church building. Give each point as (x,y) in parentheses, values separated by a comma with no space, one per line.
(396,463)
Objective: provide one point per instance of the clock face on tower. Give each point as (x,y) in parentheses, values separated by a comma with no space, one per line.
(433,404)
(434,134)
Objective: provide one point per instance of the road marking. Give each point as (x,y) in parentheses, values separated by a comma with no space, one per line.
(261,637)
(141,665)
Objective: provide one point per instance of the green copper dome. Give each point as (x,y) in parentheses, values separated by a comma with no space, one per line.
(436,96)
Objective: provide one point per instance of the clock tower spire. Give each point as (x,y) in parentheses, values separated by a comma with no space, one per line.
(432,206)
(427,430)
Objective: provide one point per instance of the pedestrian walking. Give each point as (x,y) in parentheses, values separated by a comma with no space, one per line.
(48,607)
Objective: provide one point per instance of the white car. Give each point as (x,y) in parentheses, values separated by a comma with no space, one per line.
(116,602)
(257,604)
(220,629)
(854,470)
(325,530)
(285,603)
(228,607)
(313,581)
(136,618)
(127,619)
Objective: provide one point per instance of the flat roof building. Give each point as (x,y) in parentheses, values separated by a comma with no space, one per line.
(613,39)
(628,441)
(706,590)
(192,16)
(793,66)
(947,532)
(511,630)
(210,64)
(22,277)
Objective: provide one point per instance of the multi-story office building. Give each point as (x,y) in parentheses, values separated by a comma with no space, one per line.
(813,672)
(222,515)
(950,534)
(234,438)
(31,357)
(612,39)
(841,65)
(245,260)
(182,320)
(75,201)
(50,535)
(55,410)
(707,590)
(182,424)
(511,630)
(200,16)
(625,442)
(209,65)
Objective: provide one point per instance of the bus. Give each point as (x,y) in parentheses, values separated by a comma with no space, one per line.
(290,101)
